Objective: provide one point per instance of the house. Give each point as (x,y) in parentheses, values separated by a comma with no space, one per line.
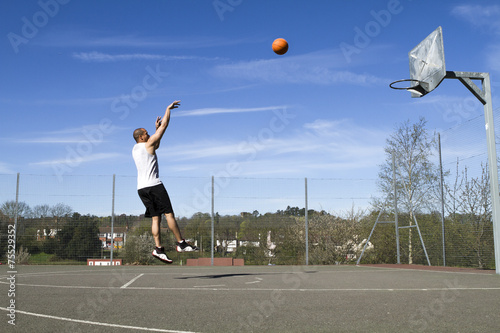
(44,233)
(119,237)
(232,245)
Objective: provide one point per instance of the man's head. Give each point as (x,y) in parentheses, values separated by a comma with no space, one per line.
(141,135)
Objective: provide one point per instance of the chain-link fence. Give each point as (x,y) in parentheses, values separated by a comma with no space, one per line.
(262,220)
(70,219)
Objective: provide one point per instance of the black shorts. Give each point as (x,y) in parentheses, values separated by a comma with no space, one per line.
(156,200)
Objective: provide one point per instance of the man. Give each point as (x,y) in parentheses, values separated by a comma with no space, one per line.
(150,188)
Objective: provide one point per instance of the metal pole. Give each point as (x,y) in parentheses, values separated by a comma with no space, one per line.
(307,225)
(492,162)
(442,199)
(395,207)
(421,240)
(15,210)
(112,222)
(212,241)
(369,237)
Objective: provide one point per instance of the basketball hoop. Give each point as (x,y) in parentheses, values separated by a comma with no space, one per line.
(427,65)
(418,89)
(405,80)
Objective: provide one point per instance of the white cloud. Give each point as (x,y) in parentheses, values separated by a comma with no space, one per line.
(479,16)
(200,150)
(106,57)
(210,111)
(103,57)
(325,67)
(78,159)
(5,169)
(492,56)
(95,39)
(321,145)
(94,134)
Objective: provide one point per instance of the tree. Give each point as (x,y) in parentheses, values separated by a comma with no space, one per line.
(61,210)
(41,211)
(332,239)
(8,208)
(79,240)
(470,216)
(416,174)
(138,249)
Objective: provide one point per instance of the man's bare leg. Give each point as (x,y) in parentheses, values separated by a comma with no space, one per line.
(172,224)
(155,230)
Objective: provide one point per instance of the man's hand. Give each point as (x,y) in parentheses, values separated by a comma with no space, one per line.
(174,105)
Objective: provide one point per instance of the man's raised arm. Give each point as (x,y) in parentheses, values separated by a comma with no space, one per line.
(161,125)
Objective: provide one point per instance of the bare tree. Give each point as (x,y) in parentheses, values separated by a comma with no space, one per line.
(41,211)
(332,238)
(61,210)
(8,208)
(471,212)
(416,174)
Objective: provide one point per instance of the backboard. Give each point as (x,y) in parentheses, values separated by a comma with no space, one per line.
(427,66)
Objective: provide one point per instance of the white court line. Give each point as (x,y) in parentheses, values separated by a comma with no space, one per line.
(97,323)
(45,273)
(131,281)
(217,288)
(256,281)
(385,269)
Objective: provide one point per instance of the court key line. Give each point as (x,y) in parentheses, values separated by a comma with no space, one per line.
(214,288)
(96,323)
(131,281)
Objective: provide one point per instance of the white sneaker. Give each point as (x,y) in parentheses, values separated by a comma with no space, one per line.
(184,246)
(158,253)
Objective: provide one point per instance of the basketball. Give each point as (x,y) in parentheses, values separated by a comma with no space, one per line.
(280,46)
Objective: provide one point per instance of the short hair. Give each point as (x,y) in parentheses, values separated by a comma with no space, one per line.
(137,133)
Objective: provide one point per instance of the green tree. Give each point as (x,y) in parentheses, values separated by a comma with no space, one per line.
(138,249)
(79,239)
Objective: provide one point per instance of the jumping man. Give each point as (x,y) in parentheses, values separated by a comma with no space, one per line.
(150,188)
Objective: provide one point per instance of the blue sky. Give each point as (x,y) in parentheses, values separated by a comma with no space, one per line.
(79,76)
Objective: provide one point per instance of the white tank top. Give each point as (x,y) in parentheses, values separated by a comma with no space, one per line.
(147,167)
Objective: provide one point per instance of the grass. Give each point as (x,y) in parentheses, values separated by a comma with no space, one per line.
(51,259)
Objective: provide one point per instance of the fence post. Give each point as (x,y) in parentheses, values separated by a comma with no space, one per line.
(212,218)
(442,198)
(493,168)
(396,222)
(112,222)
(307,225)
(16,207)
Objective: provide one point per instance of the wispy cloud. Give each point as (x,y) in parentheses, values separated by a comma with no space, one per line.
(211,111)
(96,39)
(320,145)
(106,57)
(480,16)
(5,168)
(78,160)
(492,56)
(325,67)
(93,133)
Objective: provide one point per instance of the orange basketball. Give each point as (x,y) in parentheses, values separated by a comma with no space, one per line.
(280,46)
